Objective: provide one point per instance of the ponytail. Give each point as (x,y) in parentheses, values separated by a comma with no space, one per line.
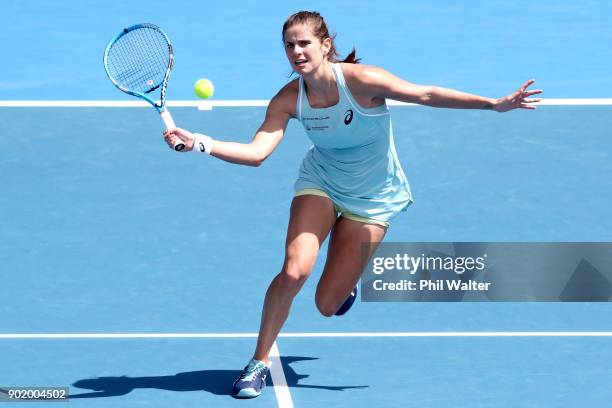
(352,58)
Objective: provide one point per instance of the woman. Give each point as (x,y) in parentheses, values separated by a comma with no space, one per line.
(350,184)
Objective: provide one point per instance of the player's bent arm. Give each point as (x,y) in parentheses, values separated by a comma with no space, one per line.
(266,138)
(383,84)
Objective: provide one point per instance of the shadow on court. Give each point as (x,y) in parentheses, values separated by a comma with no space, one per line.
(218,382)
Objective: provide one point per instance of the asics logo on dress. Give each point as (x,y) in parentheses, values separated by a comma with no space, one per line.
(348,117)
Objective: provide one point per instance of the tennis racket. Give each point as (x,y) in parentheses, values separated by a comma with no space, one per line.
(138,61)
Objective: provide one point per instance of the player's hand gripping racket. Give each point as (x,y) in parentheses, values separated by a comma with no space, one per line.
(138,61)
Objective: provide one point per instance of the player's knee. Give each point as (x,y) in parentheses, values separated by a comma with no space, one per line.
(294,274)
(325,305)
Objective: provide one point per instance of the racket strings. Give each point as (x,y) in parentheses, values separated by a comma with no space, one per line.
(140,59)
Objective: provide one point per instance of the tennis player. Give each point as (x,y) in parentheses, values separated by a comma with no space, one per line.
(350,184)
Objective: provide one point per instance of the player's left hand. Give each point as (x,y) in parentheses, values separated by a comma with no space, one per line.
(174,136)
(519,99)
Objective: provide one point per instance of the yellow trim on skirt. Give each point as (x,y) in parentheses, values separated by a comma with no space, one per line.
(343,213)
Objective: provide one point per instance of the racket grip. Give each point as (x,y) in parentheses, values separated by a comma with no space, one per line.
(169,122)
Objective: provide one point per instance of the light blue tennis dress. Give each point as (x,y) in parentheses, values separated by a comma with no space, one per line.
(353,158)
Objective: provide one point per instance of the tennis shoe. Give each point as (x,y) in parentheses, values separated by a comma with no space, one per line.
(252,380)
(347,303)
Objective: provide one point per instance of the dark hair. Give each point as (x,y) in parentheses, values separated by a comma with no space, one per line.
(317,24)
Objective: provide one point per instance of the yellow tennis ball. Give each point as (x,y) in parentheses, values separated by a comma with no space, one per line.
(204,89)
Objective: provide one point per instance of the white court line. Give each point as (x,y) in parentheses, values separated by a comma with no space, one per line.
(283,396)
(206,105)
(298,335)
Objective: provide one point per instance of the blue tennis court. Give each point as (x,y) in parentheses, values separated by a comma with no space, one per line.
(135,276)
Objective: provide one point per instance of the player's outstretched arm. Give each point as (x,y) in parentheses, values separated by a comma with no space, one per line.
(387,85)
(267,137)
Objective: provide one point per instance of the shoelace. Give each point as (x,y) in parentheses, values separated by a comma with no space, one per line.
(252,374)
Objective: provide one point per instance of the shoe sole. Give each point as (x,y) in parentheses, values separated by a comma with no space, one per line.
(247,393)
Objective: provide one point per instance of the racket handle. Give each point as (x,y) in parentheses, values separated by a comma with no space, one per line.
(169,122)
